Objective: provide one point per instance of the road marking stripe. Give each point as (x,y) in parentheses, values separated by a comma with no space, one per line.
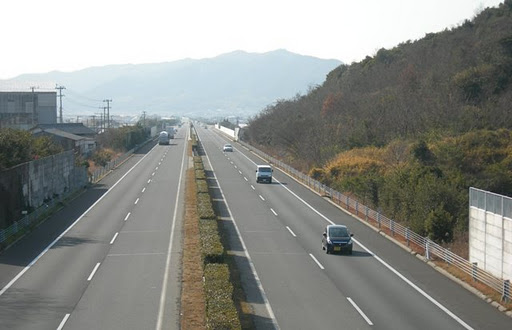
(253,187)
(149,180)
(113,238)
(127,216)
(63,322)
(291,231)
(144,189)
(136,201)
(156,169)
(271,209)
(20,274)
(262,198)
(93,271)
(360,311)
(452,315)
(317,262)
(246,179)
(248,257)
(236,166)
(153,174)
(240,172)
(415,287)
(163,294)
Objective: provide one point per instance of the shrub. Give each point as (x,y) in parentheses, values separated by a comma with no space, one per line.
(212,250)
(204,206)
(220,309)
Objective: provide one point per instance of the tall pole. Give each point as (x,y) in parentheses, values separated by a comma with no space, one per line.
(108,111)
(33,104)
(60,88)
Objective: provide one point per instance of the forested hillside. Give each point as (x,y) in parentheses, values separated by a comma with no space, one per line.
(411,128)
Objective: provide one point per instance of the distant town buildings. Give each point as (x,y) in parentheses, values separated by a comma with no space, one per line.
(24,110)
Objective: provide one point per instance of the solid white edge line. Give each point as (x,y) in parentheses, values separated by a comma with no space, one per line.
(435,302)
(93,271)
(244,248)
(271,209)
(63,322)
(291,231)
(317,262)
(360,311)
(415,287)
(114,238)
(24,270)
(127,216)
(169,249)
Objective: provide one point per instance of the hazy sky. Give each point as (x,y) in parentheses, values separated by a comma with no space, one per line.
(66,35)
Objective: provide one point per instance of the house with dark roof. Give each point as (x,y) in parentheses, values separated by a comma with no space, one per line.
(82,145)
(74,128)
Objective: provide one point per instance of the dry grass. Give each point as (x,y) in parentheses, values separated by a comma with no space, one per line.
(192,293)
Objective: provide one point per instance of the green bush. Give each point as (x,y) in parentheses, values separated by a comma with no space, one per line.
(198,159)
(212,250)
(220,309)
(204,206)
(200,175)
(198,166)
(202,186)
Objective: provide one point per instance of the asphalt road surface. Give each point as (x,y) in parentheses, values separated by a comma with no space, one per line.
(110,259)
(293,284)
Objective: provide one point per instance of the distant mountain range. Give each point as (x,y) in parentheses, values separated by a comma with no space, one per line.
(236,83)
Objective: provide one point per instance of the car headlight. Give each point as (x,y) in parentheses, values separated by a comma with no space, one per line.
(329,241)
(349,242)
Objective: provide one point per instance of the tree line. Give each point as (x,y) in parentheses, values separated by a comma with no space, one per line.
(409,129)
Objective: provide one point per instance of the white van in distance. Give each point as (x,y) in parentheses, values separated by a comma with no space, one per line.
(264,173)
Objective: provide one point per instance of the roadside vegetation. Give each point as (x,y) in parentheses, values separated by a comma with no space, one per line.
(209,296)
(409,130)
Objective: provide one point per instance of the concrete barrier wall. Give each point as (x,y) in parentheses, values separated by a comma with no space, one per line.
(490,242)
(29,185)
(226,131)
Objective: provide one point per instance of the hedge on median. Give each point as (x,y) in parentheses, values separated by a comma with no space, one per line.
(212,250)
(220,310)
(205,207)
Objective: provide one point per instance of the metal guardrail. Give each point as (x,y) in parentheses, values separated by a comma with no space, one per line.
(422,245)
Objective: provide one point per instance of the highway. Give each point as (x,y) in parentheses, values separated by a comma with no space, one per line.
(110,259)
(293,284)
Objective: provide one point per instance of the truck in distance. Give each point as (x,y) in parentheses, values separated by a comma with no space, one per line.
(163,138)
(264,173)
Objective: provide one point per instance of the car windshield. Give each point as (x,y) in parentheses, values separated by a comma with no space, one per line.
(338,232)
(265,169)
(227,146)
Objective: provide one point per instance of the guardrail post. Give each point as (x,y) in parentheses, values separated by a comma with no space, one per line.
(348,208)
(506,291)
(366,214)
(474,271)
(392,227)
(357,207)
(378,219)
(407,235)
(427,249)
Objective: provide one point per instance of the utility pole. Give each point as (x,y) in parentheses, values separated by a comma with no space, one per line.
(108,111)
(60,88)
(33,104)
(144,120)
